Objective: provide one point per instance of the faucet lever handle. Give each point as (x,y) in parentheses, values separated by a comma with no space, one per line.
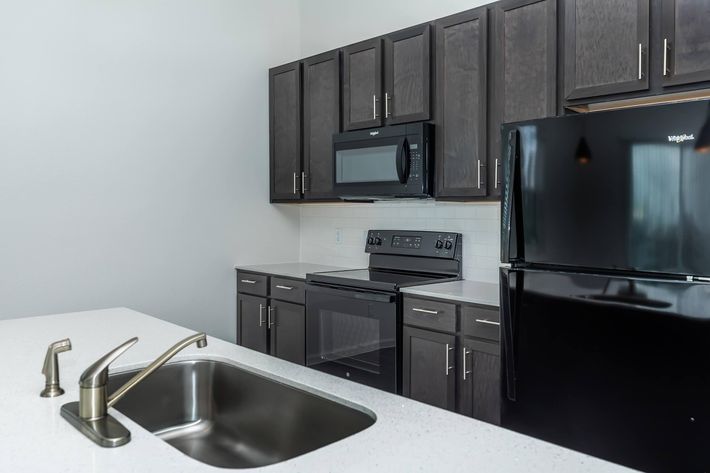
(97,374)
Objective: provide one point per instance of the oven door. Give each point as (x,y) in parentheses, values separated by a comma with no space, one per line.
(375,167)
(353,335)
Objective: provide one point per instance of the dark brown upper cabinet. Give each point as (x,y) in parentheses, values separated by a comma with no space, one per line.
(285,132)
(461,67)
(321,119)
(524,71)
(407,75)
(686,41)
(605,47)
(362,85)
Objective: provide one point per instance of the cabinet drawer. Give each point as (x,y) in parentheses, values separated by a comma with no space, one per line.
(250,283)
(289,290)
(430,314)
(480,323)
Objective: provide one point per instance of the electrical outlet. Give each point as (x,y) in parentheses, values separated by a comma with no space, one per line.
(338,236)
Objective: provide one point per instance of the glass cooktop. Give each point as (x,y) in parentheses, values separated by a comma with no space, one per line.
(374,279)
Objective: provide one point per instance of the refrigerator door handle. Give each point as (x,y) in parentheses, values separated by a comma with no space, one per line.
(507,331)
(509,207)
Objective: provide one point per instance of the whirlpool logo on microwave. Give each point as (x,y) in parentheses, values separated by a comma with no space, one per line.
(680,138)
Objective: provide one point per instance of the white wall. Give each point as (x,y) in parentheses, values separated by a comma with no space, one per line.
(133,154)
(328,24)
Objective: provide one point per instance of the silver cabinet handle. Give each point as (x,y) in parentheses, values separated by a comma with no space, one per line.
(448,368)
(285,288)
(640,61)
(248,281)
(495,176)
(486,321)
(464,354)
(271,319)
(374,107)
(261,311)
(479,173)
(388,97)
(665,57)
(425,311)
(303,181)
(294,182)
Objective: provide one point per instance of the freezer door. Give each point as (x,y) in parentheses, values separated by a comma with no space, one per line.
(614,367)
(621,190)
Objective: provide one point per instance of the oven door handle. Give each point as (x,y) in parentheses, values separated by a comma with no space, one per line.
(351,293)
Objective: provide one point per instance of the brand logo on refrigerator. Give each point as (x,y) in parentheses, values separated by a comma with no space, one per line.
(374,133)
(680,138)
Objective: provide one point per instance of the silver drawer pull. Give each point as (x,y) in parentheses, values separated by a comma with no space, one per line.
(248,281)
(486,321)
(285,288)
(425,311)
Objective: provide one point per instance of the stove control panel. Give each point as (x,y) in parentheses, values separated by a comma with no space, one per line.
(414,243)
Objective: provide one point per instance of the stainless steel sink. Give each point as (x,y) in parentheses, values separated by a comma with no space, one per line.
(228,417)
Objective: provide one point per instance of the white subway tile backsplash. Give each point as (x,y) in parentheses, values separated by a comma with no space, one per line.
(478,222)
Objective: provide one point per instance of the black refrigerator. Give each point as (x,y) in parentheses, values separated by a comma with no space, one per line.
(605,305)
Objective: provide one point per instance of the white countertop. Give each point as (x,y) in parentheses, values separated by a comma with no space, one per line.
(473,292)
(408,436)
(289,270)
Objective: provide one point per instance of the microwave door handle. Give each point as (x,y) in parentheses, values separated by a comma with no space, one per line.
(403,161)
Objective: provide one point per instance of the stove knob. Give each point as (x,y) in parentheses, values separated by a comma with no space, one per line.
(439,244)
(448,245)
(378,241)
(370,241)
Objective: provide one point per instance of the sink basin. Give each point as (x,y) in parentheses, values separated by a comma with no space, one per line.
(229,417)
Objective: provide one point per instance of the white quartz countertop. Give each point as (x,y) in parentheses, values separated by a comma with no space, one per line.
(473,292)
(408,436)
(289,270)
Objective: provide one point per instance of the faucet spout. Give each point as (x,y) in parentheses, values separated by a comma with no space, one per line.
(200,339)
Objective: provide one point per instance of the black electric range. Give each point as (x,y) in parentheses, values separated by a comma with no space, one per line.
(354,317)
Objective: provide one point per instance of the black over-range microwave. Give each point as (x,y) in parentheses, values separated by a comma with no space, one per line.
(381,163)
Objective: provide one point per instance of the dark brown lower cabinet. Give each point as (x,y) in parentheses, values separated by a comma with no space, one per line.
(288,331)
(479,388)
(251,323)
(268,324)
(429,367)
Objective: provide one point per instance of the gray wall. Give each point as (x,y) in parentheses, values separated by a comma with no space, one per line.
(133,154)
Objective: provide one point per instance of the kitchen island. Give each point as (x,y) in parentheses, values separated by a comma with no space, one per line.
(407,436)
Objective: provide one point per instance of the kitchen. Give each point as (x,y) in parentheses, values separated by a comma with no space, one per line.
(135,170)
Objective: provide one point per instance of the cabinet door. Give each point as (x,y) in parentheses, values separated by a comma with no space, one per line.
(461,97)
(251,322)
(524,61)
(321,119)
(479,395)
(288,331)
(429,367)
(606,47)
(686,40)
(408,75)
(362,85)
(285,131)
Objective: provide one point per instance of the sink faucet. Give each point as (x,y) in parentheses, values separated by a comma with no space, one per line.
(89,415)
